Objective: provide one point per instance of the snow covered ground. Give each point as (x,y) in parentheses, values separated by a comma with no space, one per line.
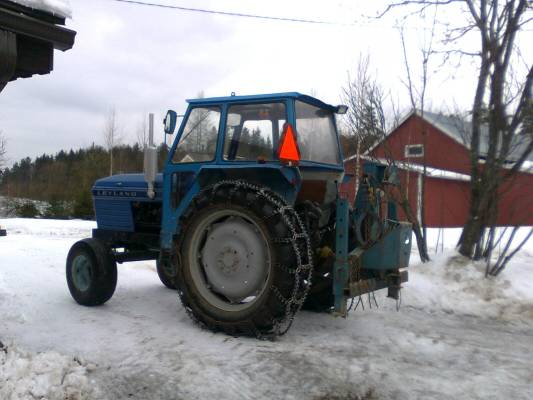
(456,335)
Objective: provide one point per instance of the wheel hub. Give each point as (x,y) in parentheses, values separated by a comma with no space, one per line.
(81,272)
(234,258)
(229,260)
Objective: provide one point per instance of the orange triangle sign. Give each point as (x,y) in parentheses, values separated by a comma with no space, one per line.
(288,148)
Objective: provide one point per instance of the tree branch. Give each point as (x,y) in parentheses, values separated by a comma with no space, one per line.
(423,3)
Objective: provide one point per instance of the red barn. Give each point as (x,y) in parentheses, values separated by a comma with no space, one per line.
(439,141)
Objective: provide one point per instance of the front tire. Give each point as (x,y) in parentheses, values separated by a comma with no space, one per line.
(91,272)
(238,267)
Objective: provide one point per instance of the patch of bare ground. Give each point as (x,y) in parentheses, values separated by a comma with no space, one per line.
(370,394)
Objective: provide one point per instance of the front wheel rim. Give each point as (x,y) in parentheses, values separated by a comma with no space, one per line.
(81,272)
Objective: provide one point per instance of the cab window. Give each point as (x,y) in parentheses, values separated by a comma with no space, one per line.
(317,137)
(253,131)
(198,141)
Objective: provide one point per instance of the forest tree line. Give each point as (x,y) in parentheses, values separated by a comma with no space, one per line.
(64,180)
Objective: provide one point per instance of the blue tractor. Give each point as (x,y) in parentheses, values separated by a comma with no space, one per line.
(247,221)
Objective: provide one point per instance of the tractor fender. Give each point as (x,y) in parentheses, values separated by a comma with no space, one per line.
(286,181)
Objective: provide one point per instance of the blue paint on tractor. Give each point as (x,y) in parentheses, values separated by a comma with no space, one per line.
(341,267)
(392,251)
(113,197)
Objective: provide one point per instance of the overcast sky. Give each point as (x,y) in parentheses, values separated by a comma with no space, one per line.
(144,59)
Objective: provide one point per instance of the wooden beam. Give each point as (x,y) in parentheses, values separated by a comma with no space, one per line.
(34,57)
(8,55)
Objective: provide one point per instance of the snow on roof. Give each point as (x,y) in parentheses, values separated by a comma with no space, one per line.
(460,129)
(60,8)
(430,171)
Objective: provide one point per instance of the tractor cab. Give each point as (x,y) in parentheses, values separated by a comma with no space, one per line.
(250,129)
(258,138)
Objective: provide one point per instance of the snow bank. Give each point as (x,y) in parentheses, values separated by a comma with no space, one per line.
(48,227)
(451,283)
(7,205)
(47,375)
(61,8)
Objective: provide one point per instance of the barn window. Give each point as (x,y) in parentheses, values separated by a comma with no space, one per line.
(414,150)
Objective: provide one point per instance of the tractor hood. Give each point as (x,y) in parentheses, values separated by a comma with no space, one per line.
(131,186)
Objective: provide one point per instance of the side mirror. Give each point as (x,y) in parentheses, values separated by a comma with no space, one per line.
(341,109)
(170,122)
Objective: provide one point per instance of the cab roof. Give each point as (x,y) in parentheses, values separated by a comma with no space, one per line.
(267,97)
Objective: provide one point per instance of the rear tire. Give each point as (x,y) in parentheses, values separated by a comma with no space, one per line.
(91,272)
(166,275)
(246,225)
(321,300)
(320,297)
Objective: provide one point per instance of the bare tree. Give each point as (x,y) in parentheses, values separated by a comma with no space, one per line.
(502,110)
(142,133)
(509,128)
(367,121)
(365,98)
(3,150)
(417,89)
(112,135)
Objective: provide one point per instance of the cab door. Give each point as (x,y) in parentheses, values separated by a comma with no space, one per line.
(194,147)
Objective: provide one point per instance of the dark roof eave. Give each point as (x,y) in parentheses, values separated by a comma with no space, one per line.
(61,38)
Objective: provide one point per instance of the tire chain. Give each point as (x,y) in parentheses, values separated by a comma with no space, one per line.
(298,235)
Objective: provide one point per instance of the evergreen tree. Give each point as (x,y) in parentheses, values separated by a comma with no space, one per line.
(64,180)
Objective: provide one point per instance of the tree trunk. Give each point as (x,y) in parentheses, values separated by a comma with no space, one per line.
(421,243)
(110,161)
(420,239)
(472,231)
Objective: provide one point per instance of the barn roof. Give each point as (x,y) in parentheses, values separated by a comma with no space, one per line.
(459,130)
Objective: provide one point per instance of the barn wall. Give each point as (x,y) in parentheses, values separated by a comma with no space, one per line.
(516,206)
(409,180)
(447,201)
(441,151)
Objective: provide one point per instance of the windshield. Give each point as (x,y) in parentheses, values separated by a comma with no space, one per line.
(199,138)
(317,137)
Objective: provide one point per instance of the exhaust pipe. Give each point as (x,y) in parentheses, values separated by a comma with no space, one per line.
(150,158)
